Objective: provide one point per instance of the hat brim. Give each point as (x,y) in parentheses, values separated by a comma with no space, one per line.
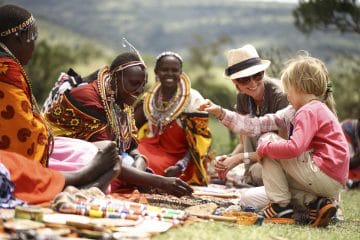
(251,70)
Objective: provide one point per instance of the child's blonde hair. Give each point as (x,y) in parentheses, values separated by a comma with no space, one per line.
(309,75)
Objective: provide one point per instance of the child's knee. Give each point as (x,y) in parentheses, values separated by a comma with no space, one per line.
(270,136)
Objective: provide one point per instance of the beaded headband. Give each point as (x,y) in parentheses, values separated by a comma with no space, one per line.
(125,44)
(22,26)
(128,65)
(169,53)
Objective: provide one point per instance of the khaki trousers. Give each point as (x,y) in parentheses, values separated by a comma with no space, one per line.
(298,181)
(253,171)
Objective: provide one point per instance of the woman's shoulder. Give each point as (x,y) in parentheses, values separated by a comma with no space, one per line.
(194,101)
(11,72)
(195,93)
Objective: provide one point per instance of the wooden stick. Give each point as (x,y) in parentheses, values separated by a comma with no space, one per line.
(216,217)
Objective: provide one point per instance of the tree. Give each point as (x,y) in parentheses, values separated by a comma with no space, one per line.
(343,16)
(46,64)
(277,57)
(328,15)
(48,61)
(346,76)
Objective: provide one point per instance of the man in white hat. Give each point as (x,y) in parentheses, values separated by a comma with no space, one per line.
(257,96)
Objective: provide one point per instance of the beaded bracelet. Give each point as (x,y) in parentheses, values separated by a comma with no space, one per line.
(181,164)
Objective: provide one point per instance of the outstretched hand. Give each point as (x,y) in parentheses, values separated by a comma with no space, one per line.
(176,187)
(210,107)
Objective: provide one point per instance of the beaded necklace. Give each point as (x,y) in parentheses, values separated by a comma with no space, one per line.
(163,106)
(159,116)
(34,105)
(119,120)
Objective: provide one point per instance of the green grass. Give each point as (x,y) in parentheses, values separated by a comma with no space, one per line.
(349,229)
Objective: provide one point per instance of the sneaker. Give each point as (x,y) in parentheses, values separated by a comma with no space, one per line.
(352,184)
(276,214)
(321,211)
(338,217)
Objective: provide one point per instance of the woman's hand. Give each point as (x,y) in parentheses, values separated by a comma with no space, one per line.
(175,186)
(212,108)
(225,163)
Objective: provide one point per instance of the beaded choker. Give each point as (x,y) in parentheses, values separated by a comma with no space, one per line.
(161,115)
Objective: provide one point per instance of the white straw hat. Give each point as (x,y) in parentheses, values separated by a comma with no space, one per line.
(244,62)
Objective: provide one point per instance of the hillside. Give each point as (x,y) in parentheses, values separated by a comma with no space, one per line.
(157,25)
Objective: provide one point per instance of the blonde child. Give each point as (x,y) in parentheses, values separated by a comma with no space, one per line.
(309,168)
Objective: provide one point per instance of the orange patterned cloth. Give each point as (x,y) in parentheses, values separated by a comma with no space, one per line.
(21,129)
(36,186)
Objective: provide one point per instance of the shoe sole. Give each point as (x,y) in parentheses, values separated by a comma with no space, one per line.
(280,220)
(325,215)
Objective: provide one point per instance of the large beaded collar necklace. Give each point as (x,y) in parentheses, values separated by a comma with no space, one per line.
(160,114)
(119,120)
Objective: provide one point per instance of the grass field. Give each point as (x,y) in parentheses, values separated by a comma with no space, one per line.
(349,229)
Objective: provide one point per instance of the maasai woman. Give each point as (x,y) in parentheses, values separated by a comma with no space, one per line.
(24,134)
(177,135)
(101,108)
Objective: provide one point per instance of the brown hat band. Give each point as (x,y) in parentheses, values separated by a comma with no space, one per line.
(242,65)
